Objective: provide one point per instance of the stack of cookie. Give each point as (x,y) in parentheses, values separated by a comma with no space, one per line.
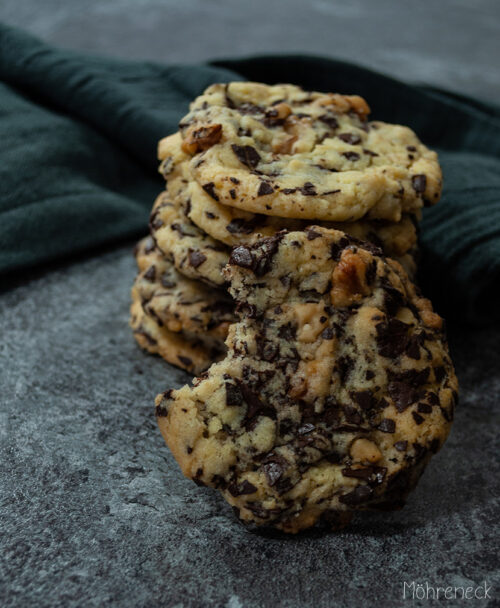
(251,160)
(281,257)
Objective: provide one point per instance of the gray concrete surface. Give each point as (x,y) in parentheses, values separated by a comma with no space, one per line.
(93,509)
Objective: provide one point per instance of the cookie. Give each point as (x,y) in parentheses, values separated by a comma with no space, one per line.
(180,304)
(191,355)
(282,151)
(336,390)
(236,227)
(193,253)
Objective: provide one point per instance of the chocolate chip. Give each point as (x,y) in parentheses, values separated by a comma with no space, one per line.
(312,234)
(351,155)
(306,428)
(392,338)
(196,258)
(273,472)
(357,496)
(247,155)
(289,190)
(419,183)
(210,189)
(308,189)
(411,148)
(232,193)
(424,408)
(402,394)
(239,226)
(265,188)
(234,180)
(245,487)
(150,273)
(401,446)
(241,256)
(327,333)
(387,425)
(337,248)
(350,138)
(363,399)
(331,121)
(417,417)
(439,373)
(287,332)
(185,360)
(233,394)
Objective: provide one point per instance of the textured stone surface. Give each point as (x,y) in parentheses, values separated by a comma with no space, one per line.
(93,509)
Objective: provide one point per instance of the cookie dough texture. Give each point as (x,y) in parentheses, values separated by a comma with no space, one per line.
(285,152)
(336,389)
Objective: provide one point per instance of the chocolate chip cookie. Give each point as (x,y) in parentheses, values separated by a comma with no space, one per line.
(180,304)
(190,355)
(282,151)
(336,389)
(193,253)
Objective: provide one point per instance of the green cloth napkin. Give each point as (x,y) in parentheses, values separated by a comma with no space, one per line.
(78,165)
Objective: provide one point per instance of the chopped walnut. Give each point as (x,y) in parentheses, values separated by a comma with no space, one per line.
(429,317)
(285,146)
(298,387)
(349,278)
(346,103)
(364,450)
(201,138)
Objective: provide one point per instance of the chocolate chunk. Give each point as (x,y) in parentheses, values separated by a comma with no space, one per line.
(308,189)
(161,411)
(185,360)
(273,472)
(350,138)
(337,248)
(265,253)
(363,399)
(401,446)
(233,394)
(196,258)
(247,155)
(402,394)
(417,417)
(239,226)
(392,338)
(331,121)
(312,234)
(289,190)
(250,108)
(370,374)
(439,373)
(327,333)
(265,188)
(241,256)
(387,425)
(150,273)
(411,148)
(232,193)
(357,496)
(351,155)
(245,487)
(287,332)
(419,183)
(424,408)
(234,180)
(210,189)
(352,415)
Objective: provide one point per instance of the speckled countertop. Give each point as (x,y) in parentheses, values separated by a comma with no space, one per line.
(93,509)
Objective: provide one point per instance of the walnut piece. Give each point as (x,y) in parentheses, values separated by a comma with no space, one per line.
(201,138)
(349,283)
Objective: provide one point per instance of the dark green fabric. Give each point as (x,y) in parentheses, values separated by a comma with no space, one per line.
(78,164)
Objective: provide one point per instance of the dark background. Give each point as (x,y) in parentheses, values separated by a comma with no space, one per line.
(94,510)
